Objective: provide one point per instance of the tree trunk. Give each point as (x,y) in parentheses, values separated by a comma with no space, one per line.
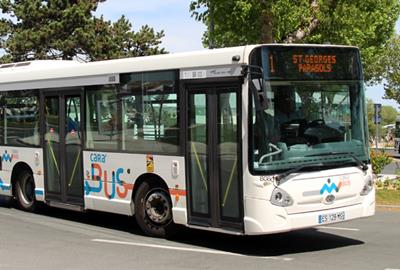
(266,22)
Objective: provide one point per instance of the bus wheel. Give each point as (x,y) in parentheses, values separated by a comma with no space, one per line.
(25,192)
(153,210)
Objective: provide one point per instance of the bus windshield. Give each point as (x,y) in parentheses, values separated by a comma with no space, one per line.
(310,118)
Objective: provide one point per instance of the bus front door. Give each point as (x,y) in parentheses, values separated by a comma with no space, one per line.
(62,140)
(214,157)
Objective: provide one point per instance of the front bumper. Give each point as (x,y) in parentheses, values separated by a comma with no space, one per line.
(261,217)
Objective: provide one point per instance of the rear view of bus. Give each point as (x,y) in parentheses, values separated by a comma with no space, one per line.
(308,148)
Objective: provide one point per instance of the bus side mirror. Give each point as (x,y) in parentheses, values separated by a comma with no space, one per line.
(257,86)
(260,97)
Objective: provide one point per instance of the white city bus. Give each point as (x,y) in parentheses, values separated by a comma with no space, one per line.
(247,140)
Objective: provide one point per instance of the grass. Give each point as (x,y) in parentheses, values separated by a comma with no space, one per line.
(388,197)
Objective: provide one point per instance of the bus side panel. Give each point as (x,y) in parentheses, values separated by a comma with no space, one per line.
(11,156)
(110,179)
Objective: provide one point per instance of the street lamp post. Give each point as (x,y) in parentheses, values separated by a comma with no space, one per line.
(377,122)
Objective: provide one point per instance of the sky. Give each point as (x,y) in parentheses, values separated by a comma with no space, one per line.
(182,32)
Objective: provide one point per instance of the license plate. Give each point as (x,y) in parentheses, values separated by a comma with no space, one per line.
(330,218)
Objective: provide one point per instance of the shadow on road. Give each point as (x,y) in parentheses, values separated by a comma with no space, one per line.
(295,242)
(302,241)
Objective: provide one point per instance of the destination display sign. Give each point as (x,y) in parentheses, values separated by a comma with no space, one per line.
(311,63)
(314,63)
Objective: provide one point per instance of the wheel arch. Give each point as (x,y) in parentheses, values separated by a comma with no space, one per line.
(151,178)
(16,171)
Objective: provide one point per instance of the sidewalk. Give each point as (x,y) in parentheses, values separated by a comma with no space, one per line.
(384,177)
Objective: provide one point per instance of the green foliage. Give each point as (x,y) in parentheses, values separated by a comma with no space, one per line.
(367,24)
(388,114)
(229,31)
(386,184)
(379,183)
(379,160)
(390,65)
(239,22)
(395,184)
(55,29)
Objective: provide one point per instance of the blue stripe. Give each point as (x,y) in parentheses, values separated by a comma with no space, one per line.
(4,187)
(39,192)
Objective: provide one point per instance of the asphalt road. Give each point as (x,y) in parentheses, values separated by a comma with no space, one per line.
(59,239)
(391,152)
(394,167)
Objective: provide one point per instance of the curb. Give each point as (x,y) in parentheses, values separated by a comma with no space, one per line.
(388,206)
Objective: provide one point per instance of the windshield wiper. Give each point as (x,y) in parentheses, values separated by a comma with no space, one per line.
(362,165)
(282,177)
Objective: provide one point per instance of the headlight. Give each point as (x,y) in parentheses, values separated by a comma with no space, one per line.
(368,186)
(280,197)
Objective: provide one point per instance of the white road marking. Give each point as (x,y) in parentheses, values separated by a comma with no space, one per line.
(392,269)
(338,228)
(199,250)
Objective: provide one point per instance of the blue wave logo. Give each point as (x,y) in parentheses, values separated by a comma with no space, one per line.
(7,157)
(328,187)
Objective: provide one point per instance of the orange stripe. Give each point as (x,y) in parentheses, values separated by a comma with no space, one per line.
(179,192)
(340,185)
(128,186)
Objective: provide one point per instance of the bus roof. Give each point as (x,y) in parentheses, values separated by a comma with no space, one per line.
(45,70)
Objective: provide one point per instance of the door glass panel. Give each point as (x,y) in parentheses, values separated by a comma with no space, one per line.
(73,145)
(52,144)
(198,153)
(228,155)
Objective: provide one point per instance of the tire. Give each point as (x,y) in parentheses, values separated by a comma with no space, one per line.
(5,201)
(153,211)
(25,192)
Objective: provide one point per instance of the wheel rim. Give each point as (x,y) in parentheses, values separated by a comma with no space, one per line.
(27,191)
(157,207)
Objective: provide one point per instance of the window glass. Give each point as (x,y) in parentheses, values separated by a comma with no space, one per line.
(150,112)
(20,119)
(52,143)
(198,154)
(308,120)
(310,111)
(228,148)
(102,130)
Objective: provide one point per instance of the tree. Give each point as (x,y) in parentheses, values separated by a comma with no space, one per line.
(389,68)
(59,29)
(389,115)
(363,23)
